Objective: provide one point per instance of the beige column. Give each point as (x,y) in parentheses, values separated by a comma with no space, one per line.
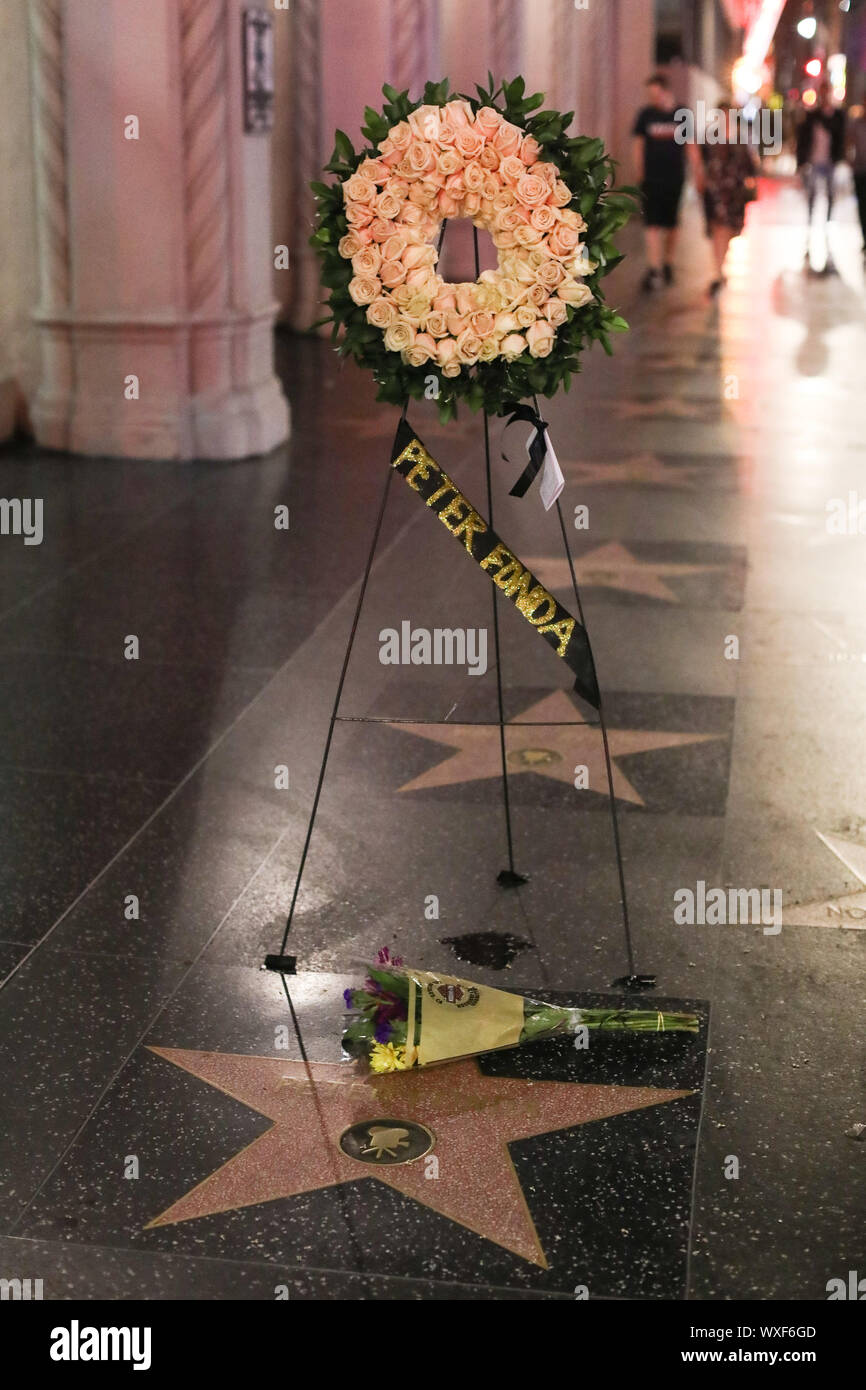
(155,244)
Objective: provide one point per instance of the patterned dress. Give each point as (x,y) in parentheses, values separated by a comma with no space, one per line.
(726,169)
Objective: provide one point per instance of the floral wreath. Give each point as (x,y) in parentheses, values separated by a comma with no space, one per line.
(548,202)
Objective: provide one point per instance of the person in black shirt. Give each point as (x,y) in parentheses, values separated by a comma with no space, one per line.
(660,164)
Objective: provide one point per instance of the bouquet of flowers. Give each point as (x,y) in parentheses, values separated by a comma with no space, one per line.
(406,1018)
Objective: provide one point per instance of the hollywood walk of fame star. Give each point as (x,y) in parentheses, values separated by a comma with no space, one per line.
(612,566)
(554,750)
(847,911)
(640,468)
(473,1119)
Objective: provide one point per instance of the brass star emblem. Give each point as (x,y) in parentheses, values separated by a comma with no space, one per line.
(553,750)
(473,1117)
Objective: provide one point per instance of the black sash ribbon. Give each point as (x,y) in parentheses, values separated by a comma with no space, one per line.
(537,449)
(545,613)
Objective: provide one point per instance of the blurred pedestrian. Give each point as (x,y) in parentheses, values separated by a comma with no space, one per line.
(725,175)
(659,160)
(820,147)
(857,160)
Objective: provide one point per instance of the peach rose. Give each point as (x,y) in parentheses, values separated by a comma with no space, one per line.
(466,297)
(556,312)
(448,162)
(436,324)
(491,185)
(473,177)
(540,338)
(508,220)
(468,347)
(364,288)
(367,260)
(529,149)
(505,323)
(421,351)
(446,353)
(527,235)
(509,291)
(415,256)
(381,313)
(399,336)
(531,191)
(425,121)
(410,215)
(504,241)
(573,293)
(387,205)
(422,280)
(512,169)
(489,158)
(561,194)
(425,192)
(548,172)
(538,295)
(358,214)
(373,169)
(381,228)
(400,135)
(359,190)
(507,138)
(401,296)
(483,322)
(447,132)
(447,206)
(457,323)
(471,204)
(393,248)
(392,273)
(398,187)
(390,156)
(544,217)
(489,350)
(503,199)
(488,120)
(459,113)
(512,346)
(469,142)
(562,240)
(525,315)
(445,301)
(349,246)
(419,157)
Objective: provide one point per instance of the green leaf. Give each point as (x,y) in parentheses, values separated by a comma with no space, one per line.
(343,147)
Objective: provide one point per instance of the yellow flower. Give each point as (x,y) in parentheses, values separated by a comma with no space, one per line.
(387,1057)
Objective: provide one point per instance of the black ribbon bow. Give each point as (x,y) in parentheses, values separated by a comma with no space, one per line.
(537,448)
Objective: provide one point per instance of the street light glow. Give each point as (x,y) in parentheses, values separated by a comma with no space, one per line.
(807,28)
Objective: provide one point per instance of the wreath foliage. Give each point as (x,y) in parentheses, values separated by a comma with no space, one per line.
(589,174)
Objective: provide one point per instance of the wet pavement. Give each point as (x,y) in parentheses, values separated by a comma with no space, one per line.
(151,843)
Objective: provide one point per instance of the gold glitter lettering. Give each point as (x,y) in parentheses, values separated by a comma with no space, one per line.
(563,629)
(528,603)
(451,512)
(468,527)
(499,555)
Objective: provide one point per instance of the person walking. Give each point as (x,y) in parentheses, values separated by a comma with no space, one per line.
(820,147)
(660,164)
(725,174)
(857,160)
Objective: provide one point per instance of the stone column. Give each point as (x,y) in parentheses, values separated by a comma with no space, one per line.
(153,212)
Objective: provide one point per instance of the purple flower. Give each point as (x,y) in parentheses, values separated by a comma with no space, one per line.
(383,1029)
(349,998)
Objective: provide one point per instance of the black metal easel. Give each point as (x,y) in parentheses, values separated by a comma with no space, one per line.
(508,877)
